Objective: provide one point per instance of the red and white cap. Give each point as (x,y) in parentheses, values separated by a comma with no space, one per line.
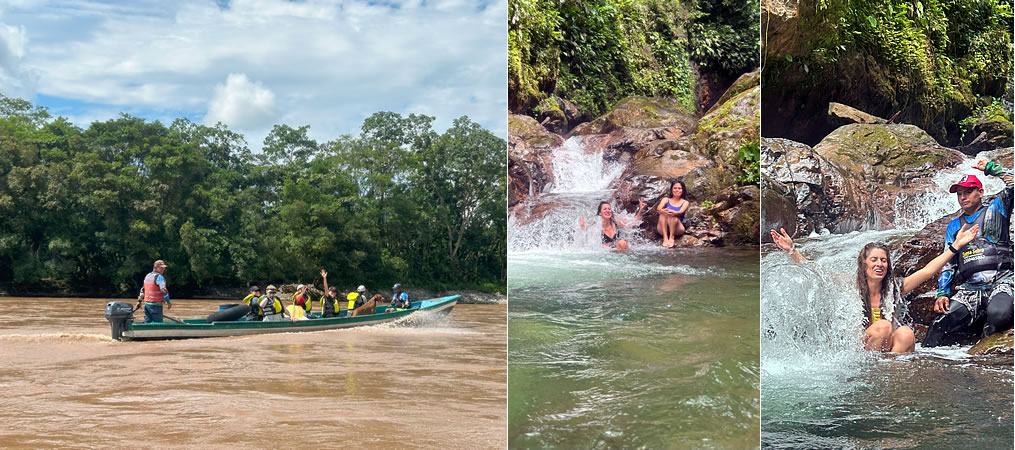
(969,181)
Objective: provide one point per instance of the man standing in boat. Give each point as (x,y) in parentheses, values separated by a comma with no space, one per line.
(155,293)
(975,287)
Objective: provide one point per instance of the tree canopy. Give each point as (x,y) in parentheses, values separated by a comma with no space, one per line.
(88,210)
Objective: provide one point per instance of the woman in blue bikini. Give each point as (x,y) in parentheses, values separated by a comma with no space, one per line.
(671,214)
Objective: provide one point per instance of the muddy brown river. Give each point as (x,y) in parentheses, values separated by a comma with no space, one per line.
(433,383)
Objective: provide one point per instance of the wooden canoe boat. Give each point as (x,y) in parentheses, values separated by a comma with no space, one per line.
(128,330)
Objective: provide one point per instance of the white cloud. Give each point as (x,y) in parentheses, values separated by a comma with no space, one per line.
(328,63)
(15,80)
(241,104)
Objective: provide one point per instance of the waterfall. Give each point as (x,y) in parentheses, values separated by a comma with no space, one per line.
(582,179)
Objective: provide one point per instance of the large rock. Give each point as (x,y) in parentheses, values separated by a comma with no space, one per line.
(730,125)
(995,344)
(529,157)
(826,195)
(893,154)
(640,112)
(778,208)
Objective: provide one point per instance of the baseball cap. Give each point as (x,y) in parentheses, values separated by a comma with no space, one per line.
(254,288)
(300,287)
(271,287)
(969,181)
(159,263)
(397,286)
(361,288)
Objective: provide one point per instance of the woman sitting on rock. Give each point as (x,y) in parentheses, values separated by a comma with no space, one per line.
(612,225)
(671,214)
(886,315)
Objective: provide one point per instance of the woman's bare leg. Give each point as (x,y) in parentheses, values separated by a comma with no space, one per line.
(903,340)
(877,335)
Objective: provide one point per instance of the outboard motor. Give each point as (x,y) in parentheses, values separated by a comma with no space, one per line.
(119,314)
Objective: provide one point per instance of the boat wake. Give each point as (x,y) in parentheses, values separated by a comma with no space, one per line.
(51,337)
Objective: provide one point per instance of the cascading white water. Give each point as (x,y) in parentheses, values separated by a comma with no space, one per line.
(917,210)
(577,170)
(581,180)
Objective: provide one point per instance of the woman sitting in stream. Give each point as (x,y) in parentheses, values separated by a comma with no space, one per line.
(886,321)
(612,225)
(671,214)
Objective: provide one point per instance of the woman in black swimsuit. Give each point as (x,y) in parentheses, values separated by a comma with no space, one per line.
(611,225)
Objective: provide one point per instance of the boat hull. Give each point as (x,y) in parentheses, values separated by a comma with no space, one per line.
(191,329)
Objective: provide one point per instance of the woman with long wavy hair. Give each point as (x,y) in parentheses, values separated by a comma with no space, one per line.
(886,319)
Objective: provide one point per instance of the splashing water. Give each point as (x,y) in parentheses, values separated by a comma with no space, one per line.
(819,389)
(919,209)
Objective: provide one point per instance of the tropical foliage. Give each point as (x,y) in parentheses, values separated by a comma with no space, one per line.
(597,52)
(88,210)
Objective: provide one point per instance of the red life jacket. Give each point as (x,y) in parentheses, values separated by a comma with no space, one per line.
(152,291)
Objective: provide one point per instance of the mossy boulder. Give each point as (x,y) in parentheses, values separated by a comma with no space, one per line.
(894,154)
(551,116)
(744,83)
(640,112)
(731,124)
(995,344)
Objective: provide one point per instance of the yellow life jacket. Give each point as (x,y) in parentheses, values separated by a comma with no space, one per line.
(333,301)
(253,302)
(307,305)
(352,300)
(248,299)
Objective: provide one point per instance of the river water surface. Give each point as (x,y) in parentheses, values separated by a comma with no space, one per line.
(652,348)
(431,382)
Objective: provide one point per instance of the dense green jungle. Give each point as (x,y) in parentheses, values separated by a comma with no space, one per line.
(942,65)
(595,53)
(86,211)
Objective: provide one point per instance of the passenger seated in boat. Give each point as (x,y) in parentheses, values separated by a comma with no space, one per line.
(302,299)
(612,225)
(400,298)
(253,300)
(329,301)
(272,306)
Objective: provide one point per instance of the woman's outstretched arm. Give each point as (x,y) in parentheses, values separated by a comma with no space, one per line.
(786,243)
(962,237)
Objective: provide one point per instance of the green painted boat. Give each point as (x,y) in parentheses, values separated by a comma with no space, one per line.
(120,316)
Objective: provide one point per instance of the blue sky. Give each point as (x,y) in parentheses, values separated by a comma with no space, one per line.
(254,63)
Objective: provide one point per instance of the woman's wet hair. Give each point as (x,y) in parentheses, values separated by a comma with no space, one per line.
(683,189)
(861,278)
(599,209)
